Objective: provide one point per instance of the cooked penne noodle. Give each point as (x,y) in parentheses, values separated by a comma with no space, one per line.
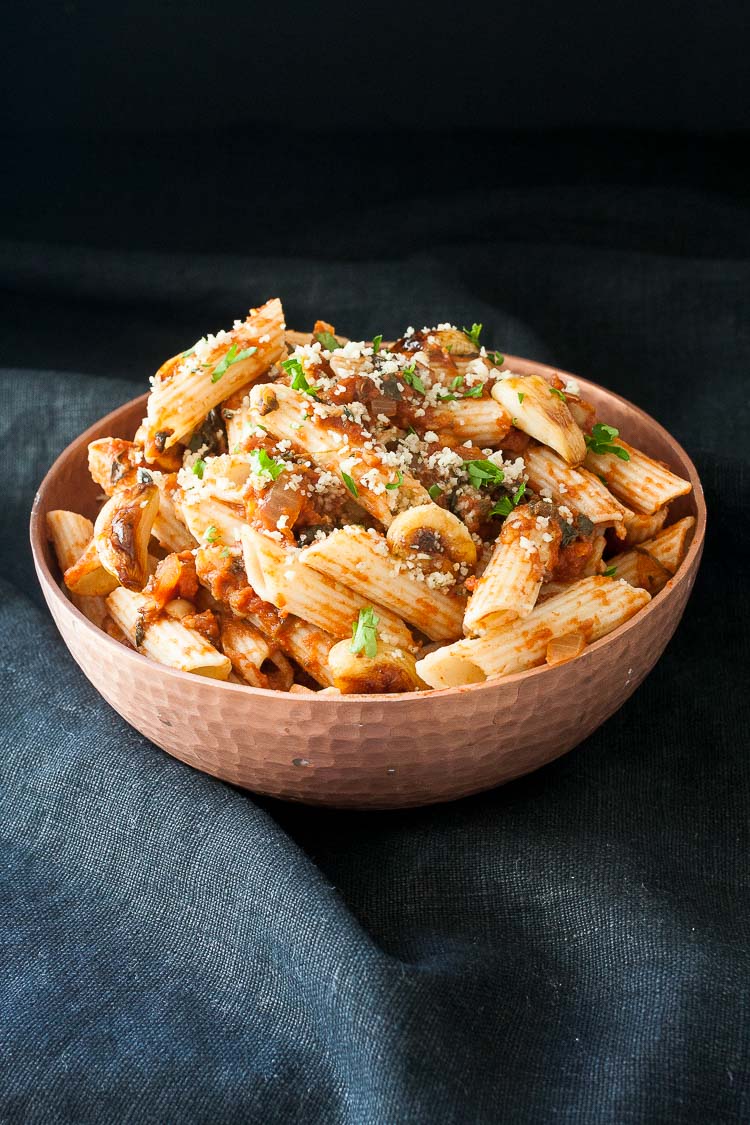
(309,646)
(592,607)
(87,577)
(391,670)
(652,563)
(482,421)
(71,535)
(164,640)
(542,413)
(334,444)
(510,585)
(578,489)
(641,482)
(253,657)
(187,387)
(278,576)
(209,520)
(335,509)
(639,526)
(360,560)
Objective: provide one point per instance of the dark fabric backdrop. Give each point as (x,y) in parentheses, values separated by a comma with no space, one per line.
(572,947)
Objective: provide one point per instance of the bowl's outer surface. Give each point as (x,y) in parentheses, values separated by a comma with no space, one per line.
(370,751)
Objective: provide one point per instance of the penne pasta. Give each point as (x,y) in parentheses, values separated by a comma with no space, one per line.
(71,535)
(639,526)
(642,483)
(187,387)
(577,489)
(308,501)
(278,576)
(483,421)
(509,587)
(253,658)
(592,607)
(653,562)
(164,640)
(336,445)
(361,560)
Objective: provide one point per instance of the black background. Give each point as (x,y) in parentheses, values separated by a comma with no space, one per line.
(572,947)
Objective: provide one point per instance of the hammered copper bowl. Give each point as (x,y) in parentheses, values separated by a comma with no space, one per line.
(370,752)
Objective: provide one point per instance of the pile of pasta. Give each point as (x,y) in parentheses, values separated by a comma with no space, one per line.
(308,513)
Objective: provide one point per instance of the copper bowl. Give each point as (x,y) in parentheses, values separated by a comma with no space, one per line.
(359,751)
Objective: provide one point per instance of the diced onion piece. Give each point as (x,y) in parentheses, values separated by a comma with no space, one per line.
(567,647)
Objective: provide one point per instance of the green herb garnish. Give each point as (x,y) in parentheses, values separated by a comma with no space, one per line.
(474,392)
(294,368)
(349,484)
(473,333)
(376,342)
(559,393)
(434,491)
(505,506)
(234,355)
(483,473)
(225,553)
(199,468)
(188,351)
(328,341)
(601,440)
(412,379)
(365,633)
(610,572)
(398,482)
(497,359)
(521,396)
(264,465)
(211,534)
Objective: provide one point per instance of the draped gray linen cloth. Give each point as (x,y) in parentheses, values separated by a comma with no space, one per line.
(571,947)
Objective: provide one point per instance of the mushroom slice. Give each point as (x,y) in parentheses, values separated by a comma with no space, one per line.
(542,413)
(389,671)
(429,529)
(122,532)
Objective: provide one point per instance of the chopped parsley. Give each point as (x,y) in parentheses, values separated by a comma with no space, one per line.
(475,391)
(188,351)
(473,333)
(560,394)
(398,482)
(483,473)
(411,379)
(365,633)
(376,342)
(601,440)
(610,572)
(328,341)
(234,355)
(349,484)
(497,359)
(521,396)
(225,553)
(505,506)
(199,468)
(264,465)
(294,368)
(211,534)
(434,491)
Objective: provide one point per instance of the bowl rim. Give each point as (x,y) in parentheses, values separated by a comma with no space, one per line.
(38,537)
